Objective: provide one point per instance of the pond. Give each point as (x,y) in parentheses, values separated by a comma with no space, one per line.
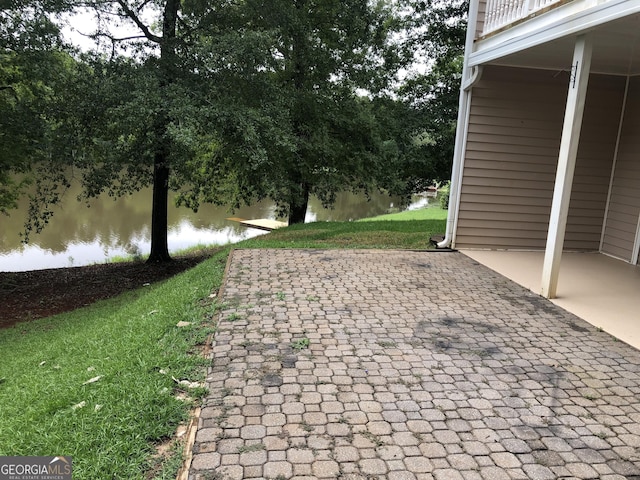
(79,235)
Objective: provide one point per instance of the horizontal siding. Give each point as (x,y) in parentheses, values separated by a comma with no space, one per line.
(511,156)
(595,159)
(506,105)
(495,121)
(624,206)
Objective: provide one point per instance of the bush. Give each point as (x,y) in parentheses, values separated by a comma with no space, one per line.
(444,196)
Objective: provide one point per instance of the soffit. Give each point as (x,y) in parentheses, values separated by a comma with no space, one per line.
(616,50)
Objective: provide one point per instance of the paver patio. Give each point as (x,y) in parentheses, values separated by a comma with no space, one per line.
(370,364)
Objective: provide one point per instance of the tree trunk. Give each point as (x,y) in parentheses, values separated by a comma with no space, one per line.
(298,205)
(159,213)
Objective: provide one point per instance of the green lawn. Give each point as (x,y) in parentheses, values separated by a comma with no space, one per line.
(428,213)
(99,383)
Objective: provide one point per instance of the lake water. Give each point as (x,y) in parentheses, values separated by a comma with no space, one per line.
(77,235)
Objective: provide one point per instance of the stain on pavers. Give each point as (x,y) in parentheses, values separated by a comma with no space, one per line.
(364,364)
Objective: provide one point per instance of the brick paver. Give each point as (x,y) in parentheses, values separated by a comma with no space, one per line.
(369,364)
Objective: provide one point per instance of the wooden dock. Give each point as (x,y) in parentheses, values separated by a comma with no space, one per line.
(260,223)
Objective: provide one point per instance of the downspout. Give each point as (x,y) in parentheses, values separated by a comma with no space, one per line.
(469,79)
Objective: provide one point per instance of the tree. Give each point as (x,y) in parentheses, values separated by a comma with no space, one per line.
(313,60)
(113,119)
(166,68)
(429,96)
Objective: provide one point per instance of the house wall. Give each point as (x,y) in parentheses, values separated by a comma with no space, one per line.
(624,207)
(511,155)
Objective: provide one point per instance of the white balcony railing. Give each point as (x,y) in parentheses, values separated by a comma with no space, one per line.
(503,12)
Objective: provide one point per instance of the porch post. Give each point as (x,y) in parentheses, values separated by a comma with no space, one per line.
(566,163)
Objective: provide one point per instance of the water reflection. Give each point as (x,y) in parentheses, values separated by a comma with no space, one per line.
(109,227)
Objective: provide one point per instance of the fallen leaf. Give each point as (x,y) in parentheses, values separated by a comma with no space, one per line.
(183,324)
(189,384)
(92,380)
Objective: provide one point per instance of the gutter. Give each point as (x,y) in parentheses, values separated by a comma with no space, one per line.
(469,79)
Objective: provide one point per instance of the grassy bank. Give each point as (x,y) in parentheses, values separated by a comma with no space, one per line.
(430,213)
(98,383)
(101,383)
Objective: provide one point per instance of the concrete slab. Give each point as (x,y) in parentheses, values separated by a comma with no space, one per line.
(369,364)
(602,290)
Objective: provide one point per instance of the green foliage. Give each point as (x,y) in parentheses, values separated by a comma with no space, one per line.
(31,70)
(301,344)
(291,71)
(420,125)
(444,196)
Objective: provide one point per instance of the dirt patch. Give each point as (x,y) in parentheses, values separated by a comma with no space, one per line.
(35,294)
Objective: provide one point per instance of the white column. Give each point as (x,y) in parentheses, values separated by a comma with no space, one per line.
(566,163)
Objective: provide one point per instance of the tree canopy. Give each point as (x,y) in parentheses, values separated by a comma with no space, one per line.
(31,71)
(423,121)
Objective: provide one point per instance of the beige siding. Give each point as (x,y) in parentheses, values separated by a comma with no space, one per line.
(624,207)
(595,159)
(511,155)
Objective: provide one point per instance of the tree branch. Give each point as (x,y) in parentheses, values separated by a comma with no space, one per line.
(111,37)
(144,4)
(145,30)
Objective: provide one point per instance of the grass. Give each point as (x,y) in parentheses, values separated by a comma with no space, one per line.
(111,426)
(199,249)
(428,213)
(379,233)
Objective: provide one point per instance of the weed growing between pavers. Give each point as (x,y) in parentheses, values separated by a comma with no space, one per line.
(301,344)
(254,447)
(234,317)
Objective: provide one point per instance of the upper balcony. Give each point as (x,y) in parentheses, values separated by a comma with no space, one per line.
(542,33)
(502,13)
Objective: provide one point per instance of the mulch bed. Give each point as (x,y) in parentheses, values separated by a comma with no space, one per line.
(35,294)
